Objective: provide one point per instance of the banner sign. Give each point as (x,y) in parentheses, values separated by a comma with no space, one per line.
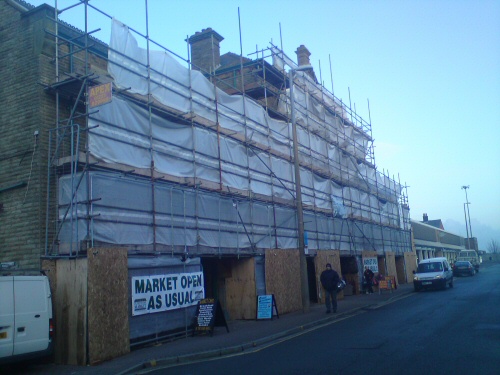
(156,293)
(371,263)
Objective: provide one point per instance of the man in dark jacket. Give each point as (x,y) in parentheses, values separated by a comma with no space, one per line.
(330,279)
(368,276)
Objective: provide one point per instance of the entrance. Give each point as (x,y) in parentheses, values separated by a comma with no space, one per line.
(349,270)
(400,270)
(234,282)
(215,272)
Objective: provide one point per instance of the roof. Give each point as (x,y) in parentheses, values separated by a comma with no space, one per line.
(430,260)
(426,224)
(435,223)
(232,59)
(437,245)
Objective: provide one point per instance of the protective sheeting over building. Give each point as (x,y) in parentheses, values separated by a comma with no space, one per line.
(223,169)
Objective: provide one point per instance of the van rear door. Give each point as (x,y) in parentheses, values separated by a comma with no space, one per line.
(32,313)
(6,316)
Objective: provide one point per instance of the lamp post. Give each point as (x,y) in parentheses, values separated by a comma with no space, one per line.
(304,282)
(466,227)
(468,214)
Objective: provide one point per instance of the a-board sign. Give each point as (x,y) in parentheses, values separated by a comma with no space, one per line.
(208,315)
(266,306)
(385,285)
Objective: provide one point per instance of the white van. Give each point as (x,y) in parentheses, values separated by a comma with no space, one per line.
(433,273)
(26,325)
(471,256)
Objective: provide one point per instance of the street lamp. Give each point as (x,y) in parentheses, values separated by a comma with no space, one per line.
(466,227)
(304,282)
(468,214)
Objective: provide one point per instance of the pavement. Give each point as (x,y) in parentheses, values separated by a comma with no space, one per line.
(243,335)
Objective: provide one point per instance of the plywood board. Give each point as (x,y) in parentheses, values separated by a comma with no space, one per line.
(241,290)
(49,267)
(390,260)
(283,280)
(108,290)
(71,311)
(411,265)
(400,269)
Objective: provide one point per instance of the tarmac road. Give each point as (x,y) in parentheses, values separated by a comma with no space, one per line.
(453,331)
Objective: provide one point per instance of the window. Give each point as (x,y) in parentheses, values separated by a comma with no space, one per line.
(430,267)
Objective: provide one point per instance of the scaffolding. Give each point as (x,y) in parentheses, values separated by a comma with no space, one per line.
(189,162)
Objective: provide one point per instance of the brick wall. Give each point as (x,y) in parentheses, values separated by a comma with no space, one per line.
(24,109)
(27,64)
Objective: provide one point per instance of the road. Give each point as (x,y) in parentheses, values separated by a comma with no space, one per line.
(452,331)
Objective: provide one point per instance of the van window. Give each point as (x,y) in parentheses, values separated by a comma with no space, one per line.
(430,267)
(467,254)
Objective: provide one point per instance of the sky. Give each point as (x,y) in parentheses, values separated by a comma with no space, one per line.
(429,69)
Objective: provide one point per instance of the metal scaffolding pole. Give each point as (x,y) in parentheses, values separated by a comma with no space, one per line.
(304,282)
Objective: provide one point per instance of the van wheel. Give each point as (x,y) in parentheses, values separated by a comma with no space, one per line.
(451,283)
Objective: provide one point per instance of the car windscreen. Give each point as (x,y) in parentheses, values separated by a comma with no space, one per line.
(462,264)
(430,267)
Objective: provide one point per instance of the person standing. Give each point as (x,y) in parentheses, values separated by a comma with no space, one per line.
(368,275)
(329,280)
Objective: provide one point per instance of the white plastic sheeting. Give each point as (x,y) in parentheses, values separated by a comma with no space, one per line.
(188,91)
(126,133)
(122,213)
(120,133)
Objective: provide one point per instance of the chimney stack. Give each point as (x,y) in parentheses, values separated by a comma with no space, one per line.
(303,60)
(426,218)
(205,50)
(303,55)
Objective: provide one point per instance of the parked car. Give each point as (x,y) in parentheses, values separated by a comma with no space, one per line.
(471,256)
(433,273)
(463,267)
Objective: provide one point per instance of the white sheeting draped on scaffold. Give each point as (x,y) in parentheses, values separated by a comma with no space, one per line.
(189,91)
(128,134)
(215,223)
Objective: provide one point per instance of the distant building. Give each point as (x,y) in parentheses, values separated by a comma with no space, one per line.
(432,240)
(435,223)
